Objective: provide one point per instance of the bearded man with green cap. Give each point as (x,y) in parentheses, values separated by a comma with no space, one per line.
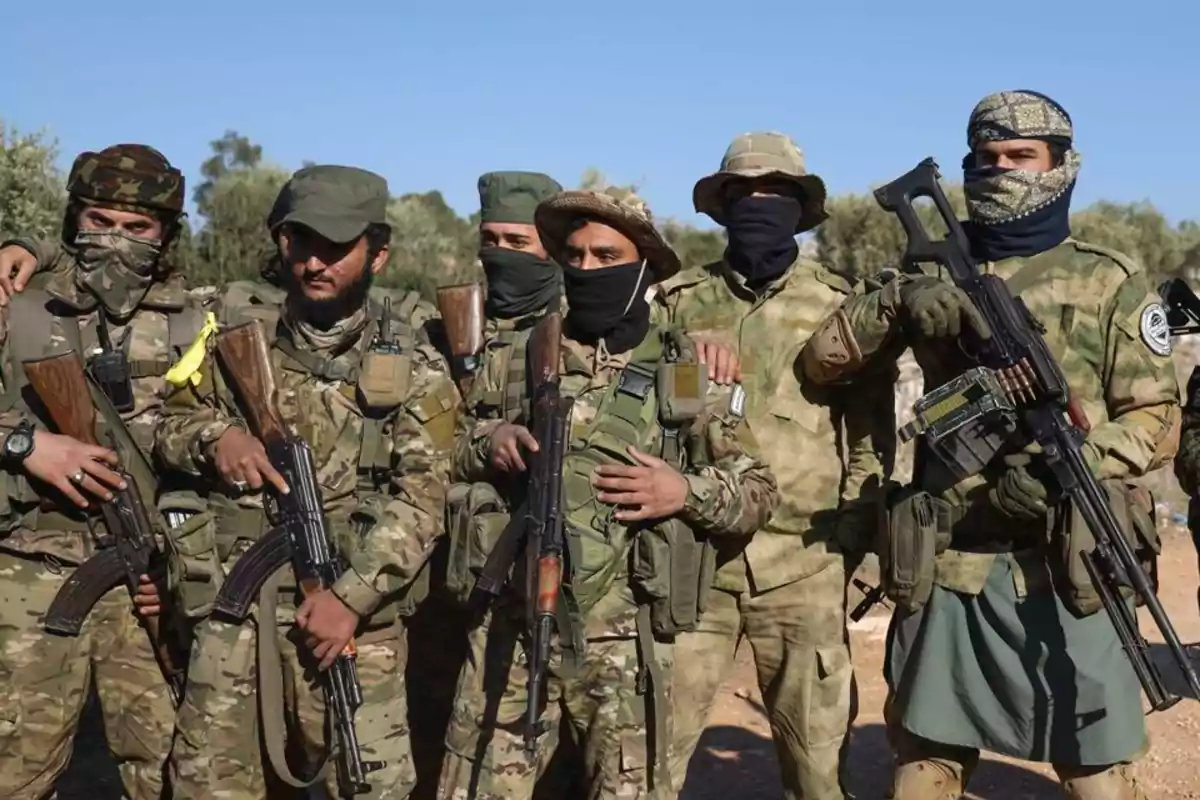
(372,397)
(658,460)
(785,589)
(108,294)
(1006,648)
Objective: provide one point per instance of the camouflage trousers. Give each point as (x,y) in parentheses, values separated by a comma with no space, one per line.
(802,656)
(45,679)
(217,750)
(598,701)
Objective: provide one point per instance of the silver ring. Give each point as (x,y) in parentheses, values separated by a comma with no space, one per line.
(77,478)
(241,486)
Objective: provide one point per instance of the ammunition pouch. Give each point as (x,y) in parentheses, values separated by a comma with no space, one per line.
(194,563)
(384,380)
(672,569)
(681,387)
(476,515)
(1133,507)
(916,529)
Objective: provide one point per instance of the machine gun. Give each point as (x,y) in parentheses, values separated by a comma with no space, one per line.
(1038,406)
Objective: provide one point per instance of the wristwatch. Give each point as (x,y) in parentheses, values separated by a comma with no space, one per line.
(18,444)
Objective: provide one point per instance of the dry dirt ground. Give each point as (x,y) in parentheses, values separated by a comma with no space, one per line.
(736,758)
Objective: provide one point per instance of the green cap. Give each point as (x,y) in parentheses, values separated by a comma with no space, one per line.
(513,196)
(336,202)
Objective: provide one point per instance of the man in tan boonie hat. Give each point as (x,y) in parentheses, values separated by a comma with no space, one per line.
(653,448)
(784,589)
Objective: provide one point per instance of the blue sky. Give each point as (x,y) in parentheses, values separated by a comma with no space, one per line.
(431,94)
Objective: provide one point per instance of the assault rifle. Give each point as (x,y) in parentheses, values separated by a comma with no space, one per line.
(1183,307)
(61,385)
(537,525)
(1036,403)
(461,307)
(301,537)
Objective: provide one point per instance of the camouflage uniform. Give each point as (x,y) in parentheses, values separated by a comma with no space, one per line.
(784,590)
(994,659)
(45,678)
(600,696)
(1187,462)
(217,746)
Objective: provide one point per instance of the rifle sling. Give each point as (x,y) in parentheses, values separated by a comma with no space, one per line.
(270,688)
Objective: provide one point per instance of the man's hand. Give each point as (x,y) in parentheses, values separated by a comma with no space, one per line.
(147,601)
(938,309)
(241,461)
(17,266)
(504,452)
(69,466)
(723,365)
(1018,493)
(656,490)
(329,624)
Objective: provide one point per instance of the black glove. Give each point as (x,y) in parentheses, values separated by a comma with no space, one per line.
(938,309)
(1019,494)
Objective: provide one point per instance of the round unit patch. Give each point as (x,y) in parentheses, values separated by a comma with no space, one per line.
(1156,333)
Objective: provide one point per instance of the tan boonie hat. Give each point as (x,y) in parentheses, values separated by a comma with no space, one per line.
(619,208)
(760,155)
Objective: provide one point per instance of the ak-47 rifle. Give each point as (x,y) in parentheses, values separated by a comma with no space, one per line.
(1183,307)
(1034,401)
(301,537)
(537,525)
(61,385)
(461,307)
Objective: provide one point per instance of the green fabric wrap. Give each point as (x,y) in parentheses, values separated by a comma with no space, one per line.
(512,196)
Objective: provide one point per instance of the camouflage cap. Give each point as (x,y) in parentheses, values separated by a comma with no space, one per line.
(513,196)
(1020,114)
(761,155)
(339,203)
(619,208)
(131,175)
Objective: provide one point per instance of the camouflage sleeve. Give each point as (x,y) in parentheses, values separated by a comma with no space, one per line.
(46,251)
(193,418)
(731,490)
(1187,461)
(863,335)
(868,413)
(1141,393)
(470,462)
(411,520)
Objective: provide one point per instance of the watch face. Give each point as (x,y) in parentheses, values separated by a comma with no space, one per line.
(18,443)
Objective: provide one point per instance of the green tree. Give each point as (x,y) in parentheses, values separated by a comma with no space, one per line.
(32,192)
(1140,231)
(431,245)
(231,152)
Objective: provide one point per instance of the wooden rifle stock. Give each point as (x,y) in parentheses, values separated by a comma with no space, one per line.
(246,356)
(461,308)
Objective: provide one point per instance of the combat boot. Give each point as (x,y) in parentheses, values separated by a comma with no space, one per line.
(1115,782)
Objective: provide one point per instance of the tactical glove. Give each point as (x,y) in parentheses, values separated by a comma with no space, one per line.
(1019,494)
(937,309)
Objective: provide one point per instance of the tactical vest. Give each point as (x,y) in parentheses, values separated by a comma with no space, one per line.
(377,383)
(512,401)
(35,318)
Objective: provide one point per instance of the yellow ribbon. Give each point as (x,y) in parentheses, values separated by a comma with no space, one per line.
(187,369)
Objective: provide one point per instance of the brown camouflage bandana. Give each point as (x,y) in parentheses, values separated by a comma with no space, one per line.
(127,176)
(998,197)
(116,268)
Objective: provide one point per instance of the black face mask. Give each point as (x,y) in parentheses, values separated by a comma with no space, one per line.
(518,283)
(608,304)
(762,237)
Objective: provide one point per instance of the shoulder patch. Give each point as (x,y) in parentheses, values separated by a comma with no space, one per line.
(1156,333)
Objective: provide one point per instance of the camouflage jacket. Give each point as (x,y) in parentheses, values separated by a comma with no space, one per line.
(499,336)
(145,337)
(413,463)
(829,449)
(731,492)
(1094,304)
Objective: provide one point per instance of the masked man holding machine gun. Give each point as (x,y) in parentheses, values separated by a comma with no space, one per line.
(1005,637)
(631,459)
(80,522)
(341,418)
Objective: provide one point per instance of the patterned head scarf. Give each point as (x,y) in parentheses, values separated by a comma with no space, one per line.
(1028,210)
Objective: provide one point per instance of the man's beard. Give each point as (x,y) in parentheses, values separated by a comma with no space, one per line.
(323,314)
